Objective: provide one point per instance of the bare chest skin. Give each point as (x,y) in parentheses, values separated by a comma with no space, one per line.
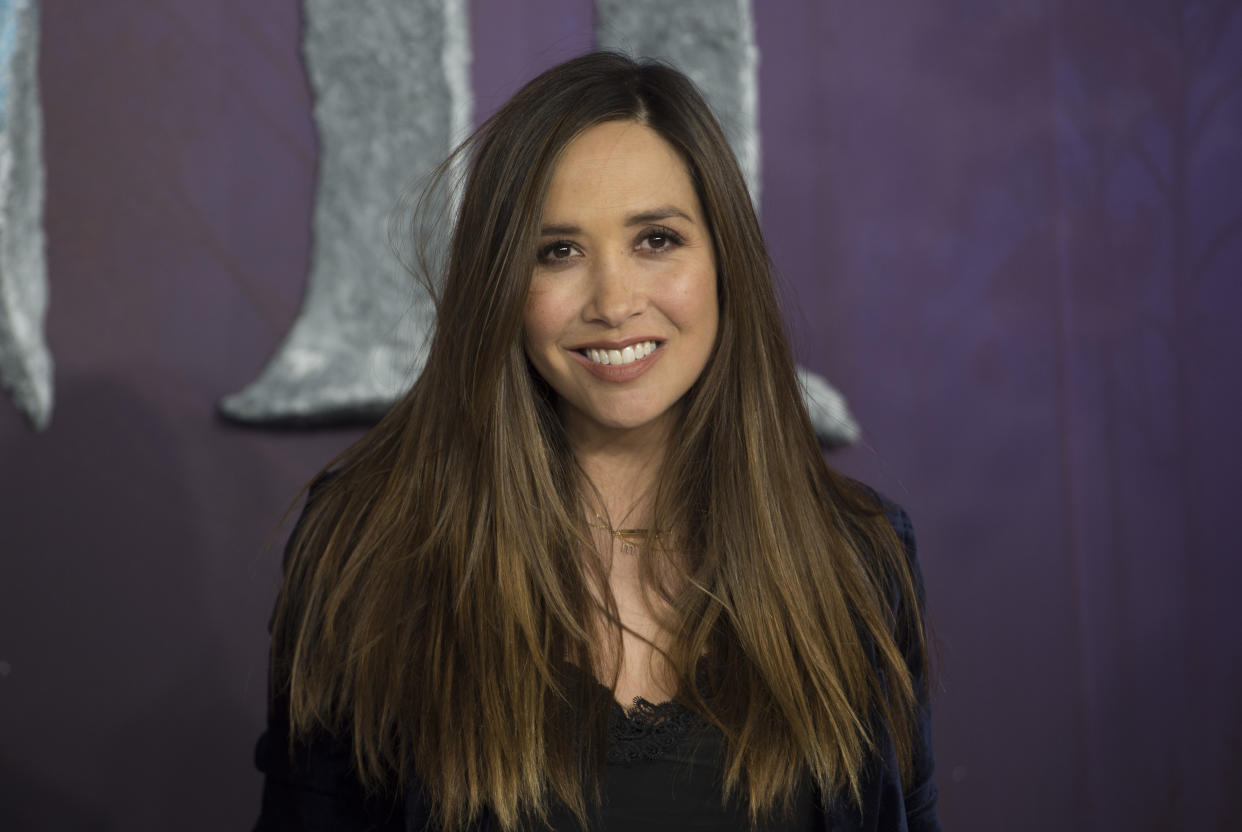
(643,671)
(620,473)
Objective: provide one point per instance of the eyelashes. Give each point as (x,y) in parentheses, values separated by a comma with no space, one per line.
(670,238)
(655,240)
(556,252)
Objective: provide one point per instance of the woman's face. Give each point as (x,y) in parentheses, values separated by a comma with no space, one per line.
(622,312)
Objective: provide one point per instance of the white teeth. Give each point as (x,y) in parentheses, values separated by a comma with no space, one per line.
(628,355)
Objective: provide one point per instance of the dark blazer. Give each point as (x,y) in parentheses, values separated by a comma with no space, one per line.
(315,789)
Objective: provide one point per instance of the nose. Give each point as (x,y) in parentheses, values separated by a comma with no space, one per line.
(616,292)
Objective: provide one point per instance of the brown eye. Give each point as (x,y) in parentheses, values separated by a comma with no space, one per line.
(557,252)
(660,239)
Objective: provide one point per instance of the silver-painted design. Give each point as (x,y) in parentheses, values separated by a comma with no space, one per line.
(25,361)
(392,97)
(834,425)
(713,42)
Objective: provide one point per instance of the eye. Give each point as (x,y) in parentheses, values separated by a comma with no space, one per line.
(660,239)
(556,252)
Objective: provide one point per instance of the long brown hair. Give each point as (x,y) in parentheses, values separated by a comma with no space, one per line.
(438,585)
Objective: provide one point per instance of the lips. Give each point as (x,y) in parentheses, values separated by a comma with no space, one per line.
(618,362)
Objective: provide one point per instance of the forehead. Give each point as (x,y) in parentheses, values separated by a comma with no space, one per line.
(618,166)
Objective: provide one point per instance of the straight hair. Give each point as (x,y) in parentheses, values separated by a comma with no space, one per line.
(437,594)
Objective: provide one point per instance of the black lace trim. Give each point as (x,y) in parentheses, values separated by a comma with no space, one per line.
(647,731)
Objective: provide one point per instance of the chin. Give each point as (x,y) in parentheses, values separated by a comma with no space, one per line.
(613,421)
(627,421)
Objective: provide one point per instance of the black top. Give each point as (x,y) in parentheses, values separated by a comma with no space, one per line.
(665,774)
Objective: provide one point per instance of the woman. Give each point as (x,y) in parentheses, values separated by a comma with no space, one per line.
(603,489)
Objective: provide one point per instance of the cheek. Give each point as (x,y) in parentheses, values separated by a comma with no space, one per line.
(539,330)
(697,308)
(546,315)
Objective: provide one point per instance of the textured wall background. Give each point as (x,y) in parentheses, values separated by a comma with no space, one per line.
(1008,234)
(392,99)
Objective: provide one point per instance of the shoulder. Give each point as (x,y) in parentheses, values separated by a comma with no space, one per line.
(314,494)
(914,797)
(899,519)
(324,496)
(310,781)
(864,503)
(901,578)
(325,484)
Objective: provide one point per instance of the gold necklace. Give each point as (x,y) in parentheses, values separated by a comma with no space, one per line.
(629,538)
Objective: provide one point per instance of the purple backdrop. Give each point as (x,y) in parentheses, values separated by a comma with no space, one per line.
(1011,233)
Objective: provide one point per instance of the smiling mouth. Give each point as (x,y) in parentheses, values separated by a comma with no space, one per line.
(628,355)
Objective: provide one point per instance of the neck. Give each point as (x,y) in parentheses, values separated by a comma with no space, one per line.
(621,469)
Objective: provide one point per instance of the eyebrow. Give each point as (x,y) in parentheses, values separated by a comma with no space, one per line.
(654,215)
